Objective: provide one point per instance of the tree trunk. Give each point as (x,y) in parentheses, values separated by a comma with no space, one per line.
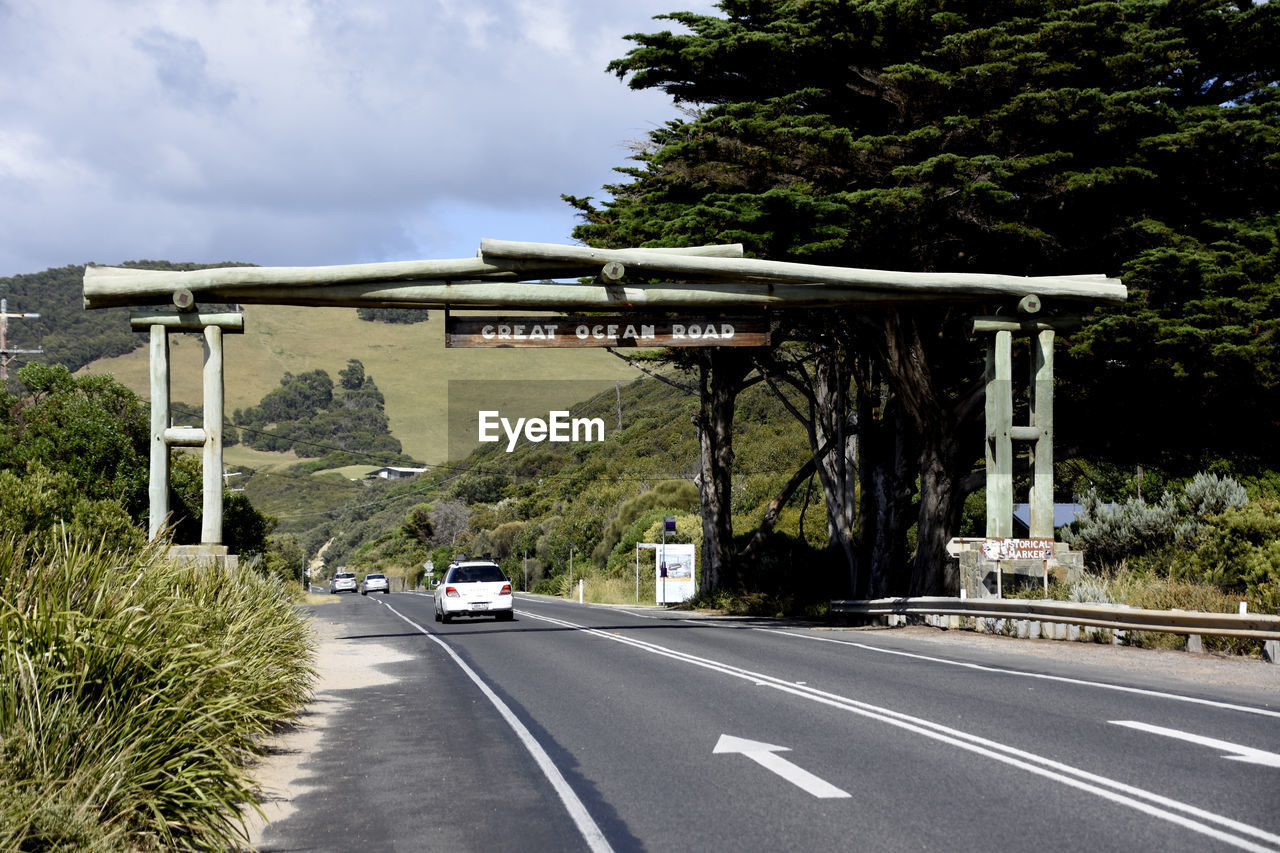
(933,572)
(835,424)
(720,378)
(943,425)
(887,489)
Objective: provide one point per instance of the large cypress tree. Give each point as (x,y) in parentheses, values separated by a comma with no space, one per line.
(1031,137)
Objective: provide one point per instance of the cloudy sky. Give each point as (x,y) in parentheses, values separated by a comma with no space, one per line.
(286,132)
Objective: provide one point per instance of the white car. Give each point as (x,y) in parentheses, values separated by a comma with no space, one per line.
(343,581)
(474,588)
(375,582)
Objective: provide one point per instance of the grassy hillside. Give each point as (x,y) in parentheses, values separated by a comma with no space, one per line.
(409,363)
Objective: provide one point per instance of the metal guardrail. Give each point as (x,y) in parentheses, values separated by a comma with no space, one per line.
(1115,617)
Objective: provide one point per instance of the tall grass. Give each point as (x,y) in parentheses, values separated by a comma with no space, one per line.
(133,692)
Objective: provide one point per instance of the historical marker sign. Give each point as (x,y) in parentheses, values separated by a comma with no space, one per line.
(695,330)
(1018,549)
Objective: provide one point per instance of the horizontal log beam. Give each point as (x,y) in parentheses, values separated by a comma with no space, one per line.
(1027,326)
(229,323)
(547,295)
(1089,288)
(712,276)
(103,285)
(185,437)
(1026,433)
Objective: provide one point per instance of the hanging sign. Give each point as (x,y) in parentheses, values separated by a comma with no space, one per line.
(694,330)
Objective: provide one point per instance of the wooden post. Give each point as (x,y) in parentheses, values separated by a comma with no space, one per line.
(999,443)
(1042,450)
(212,327)
(211,527)
(158,484)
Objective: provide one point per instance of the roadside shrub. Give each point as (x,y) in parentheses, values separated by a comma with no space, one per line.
(1208,495)
(1111,534)
(1237,552)
(1153,593)
(133,692)
(43,505)
(1211,535)
(672,496)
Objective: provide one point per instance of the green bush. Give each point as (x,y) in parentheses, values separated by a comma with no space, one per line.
(43,505)
(672,496)
(1113,534)
(1238,551)
(132,694)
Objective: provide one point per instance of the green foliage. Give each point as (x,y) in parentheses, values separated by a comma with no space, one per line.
(1212,537)
(548,499)
(353,376)
(307,415)
(82,447)
(417,524)
(1133,137)
(1111,534)
(90,428)
(45,506)
(1238,552)
(132,694)
(481,487)
(284,559)
(673,496)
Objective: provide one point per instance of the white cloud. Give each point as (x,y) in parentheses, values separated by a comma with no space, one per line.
(306,131)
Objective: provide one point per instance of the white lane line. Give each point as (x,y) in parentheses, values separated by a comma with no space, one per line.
(1165,808)
(1235,752)
(577,810)
(1213,703)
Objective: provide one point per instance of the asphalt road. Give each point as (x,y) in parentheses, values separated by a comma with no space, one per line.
(601,728)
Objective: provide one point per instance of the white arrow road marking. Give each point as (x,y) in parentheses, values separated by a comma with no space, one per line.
(766,755)
(1235,751)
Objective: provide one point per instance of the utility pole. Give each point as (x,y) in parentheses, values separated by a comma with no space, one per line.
(7,354)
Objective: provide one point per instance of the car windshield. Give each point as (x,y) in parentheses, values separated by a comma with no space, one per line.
(373,577)
(343,576)
(477,574)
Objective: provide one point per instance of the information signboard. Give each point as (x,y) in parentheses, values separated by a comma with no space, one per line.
(673,573)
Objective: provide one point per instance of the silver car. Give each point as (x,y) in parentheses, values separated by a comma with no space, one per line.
(343,581)
(375,582)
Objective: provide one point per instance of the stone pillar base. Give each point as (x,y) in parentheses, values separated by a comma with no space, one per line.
(204,555)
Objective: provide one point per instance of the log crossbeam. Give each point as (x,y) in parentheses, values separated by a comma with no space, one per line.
(521,275)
